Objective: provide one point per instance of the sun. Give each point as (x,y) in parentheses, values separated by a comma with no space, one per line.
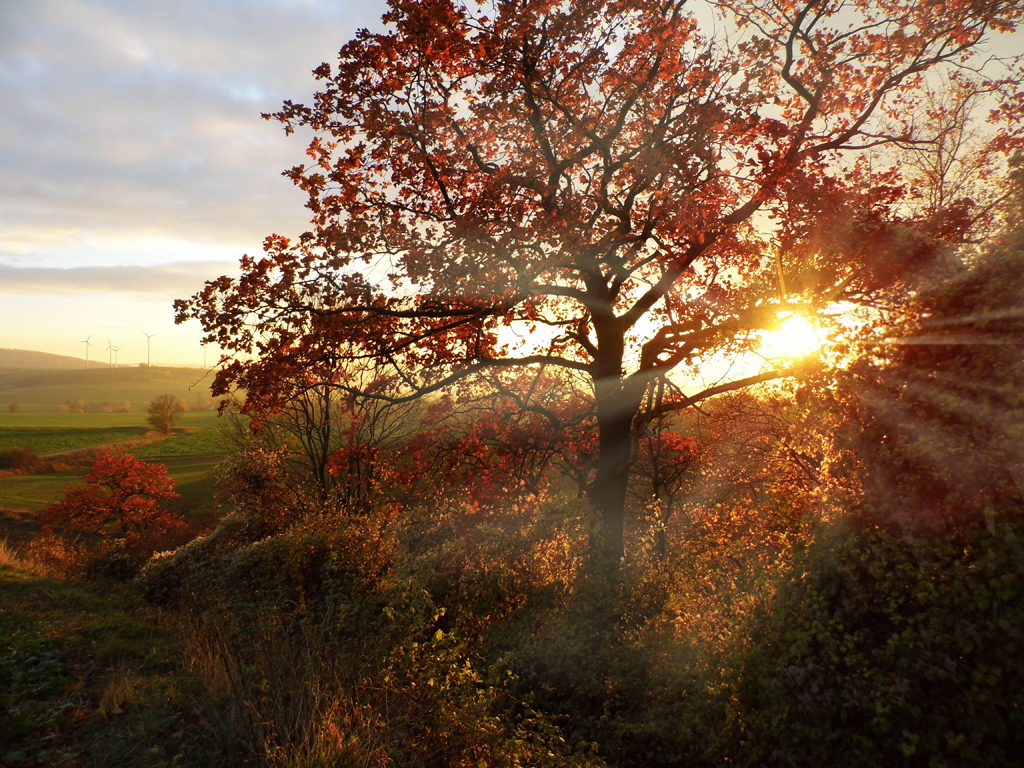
(796,337)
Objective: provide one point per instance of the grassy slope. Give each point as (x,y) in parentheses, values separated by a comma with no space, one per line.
(44,391)
(85,682)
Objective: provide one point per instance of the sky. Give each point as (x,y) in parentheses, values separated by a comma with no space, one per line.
(134,164)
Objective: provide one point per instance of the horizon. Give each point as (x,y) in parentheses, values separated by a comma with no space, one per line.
(92,363)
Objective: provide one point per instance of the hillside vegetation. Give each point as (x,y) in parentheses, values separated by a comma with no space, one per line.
(31,360)
(47,391)
(645,393)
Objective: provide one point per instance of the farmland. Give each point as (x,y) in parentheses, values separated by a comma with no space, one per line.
(96,389)
(45,440)
(45,423)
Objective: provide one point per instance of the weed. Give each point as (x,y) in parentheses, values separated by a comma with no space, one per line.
(15,560)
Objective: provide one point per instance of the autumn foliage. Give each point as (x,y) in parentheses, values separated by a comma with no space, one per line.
(120,503)
(610,190)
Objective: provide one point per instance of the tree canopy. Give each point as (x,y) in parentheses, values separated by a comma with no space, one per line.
(633,186)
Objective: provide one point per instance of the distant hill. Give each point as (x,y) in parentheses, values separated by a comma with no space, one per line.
(43,390)
(24,358)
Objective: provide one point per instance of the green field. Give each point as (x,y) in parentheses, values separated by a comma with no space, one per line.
(33,492)
(190,419)
(45,391)
(192,479)
(206,442)
(189,455)
(53,432)
(45,440)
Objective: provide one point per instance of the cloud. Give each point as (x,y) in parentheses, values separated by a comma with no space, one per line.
(167,281)
(121,115)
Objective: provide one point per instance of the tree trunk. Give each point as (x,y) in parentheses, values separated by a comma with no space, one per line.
(616,453)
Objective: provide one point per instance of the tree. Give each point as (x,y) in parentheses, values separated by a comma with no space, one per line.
(608,179)
(120,502)
(164,410)
(13,407)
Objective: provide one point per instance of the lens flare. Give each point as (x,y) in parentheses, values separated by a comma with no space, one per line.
(796,337)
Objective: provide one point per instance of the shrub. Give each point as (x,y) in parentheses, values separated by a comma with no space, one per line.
(116,517)
(25,461)
(891,651)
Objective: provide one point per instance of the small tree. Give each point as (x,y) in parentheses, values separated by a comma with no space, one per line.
(120,502)
(13,407)
(164,411)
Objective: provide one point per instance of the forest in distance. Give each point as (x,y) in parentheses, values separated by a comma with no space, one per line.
(646,391)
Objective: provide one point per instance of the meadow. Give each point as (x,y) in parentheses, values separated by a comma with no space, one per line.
(192,479)
(40,425)
(45,391)
(46,440)
(54,432)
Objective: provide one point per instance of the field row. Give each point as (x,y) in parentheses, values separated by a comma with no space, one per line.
(79,421)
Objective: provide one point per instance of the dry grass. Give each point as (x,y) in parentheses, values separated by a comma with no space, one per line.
(285,703)
(120,690)
(12,558)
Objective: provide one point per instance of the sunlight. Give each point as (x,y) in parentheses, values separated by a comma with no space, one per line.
(796,337)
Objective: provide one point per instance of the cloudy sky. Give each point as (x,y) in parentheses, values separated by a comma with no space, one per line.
(133,161)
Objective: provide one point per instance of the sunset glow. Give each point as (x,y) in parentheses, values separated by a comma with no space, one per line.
(796,337)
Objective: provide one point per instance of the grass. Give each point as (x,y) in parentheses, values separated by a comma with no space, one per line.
(207,442)
(188,420)
(85,681)
(193,479)
(44,440)
(189,456)
(33,492)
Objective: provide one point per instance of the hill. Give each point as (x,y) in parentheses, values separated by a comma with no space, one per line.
(45,390)
(25,359)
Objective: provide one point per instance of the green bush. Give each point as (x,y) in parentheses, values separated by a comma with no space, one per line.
(890,651)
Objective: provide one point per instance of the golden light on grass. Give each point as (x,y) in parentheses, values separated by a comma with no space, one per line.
(796,337)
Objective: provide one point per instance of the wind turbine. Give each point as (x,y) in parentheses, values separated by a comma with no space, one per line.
(115,355)
(148,337)
(110,353)
(87,345)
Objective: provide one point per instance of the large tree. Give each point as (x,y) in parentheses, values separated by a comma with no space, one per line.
(635,186)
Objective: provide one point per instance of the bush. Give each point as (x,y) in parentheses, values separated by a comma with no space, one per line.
(24,461)
(890,651)
(115,522)
(326,647)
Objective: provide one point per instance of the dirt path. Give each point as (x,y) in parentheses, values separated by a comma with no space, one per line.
(133,442)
